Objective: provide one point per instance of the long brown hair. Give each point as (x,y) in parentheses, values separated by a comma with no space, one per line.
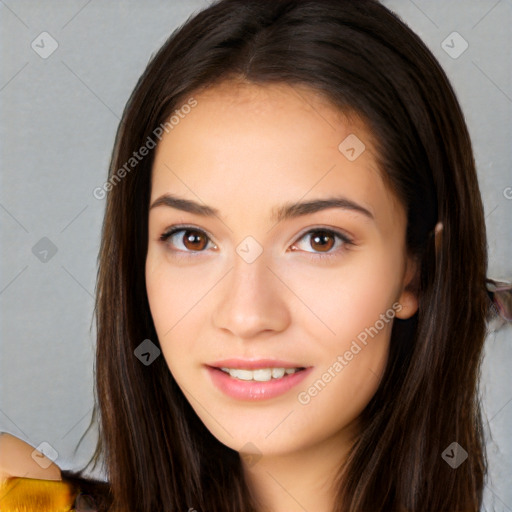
(157,453)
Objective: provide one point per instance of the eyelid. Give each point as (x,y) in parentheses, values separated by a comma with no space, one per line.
(346,241)
(336,232)
(184,227)
(344,235)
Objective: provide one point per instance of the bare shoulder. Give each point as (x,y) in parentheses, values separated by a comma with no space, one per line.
(19,459)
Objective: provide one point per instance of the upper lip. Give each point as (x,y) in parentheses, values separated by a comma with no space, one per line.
(251,364)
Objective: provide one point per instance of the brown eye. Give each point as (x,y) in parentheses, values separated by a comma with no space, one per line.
(186,239)
(323,242)
(194,240)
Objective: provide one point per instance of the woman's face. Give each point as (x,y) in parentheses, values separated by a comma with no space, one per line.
(257,283)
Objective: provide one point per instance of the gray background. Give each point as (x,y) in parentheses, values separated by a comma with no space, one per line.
(58,119)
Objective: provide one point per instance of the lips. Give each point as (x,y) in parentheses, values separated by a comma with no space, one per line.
(241,379)
(253,364)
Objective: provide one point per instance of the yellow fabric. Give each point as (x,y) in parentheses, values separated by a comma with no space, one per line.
(33,495)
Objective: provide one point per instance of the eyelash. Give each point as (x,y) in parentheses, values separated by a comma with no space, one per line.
(347,241)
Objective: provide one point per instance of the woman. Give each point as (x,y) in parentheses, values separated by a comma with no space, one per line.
(292,218)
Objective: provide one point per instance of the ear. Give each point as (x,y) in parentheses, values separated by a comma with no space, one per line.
(409,296)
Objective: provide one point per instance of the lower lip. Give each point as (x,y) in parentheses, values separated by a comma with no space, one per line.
(254,390)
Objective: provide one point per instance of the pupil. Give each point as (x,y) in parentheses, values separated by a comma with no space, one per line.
(194,239)
(323,240)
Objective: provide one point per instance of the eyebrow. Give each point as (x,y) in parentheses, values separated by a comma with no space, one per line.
(283,212)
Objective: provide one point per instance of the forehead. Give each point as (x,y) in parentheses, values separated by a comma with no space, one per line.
(253,145)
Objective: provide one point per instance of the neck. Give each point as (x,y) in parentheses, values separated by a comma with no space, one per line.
(302,480)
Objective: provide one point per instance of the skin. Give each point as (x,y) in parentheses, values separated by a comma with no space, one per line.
(16,460)
(246,150)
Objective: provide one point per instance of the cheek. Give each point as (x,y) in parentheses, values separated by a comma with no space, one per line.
(338,303)
(166,308)
(349,364)
(165,303)
(175,297)
(355,306)
(172,291)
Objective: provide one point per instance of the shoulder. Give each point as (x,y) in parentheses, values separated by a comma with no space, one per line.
(20,459)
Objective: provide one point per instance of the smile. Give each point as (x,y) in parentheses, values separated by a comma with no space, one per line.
(260,374)
(257,383)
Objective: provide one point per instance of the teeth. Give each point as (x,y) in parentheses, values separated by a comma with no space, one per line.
(277,373)
(260,374)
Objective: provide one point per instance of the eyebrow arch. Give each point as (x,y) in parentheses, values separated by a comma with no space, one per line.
(284,212)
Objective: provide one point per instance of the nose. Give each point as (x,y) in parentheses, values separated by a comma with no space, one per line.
(252,300)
